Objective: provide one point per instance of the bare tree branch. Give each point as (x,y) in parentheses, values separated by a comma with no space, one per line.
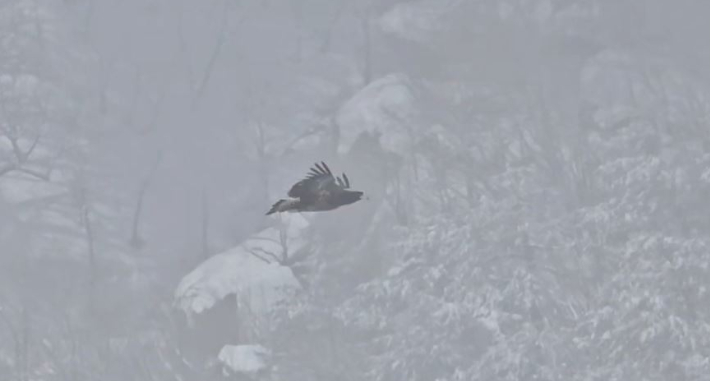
(205,224)
(221,39)
(6,169)
(37,174)
(283,237)
(182,45)
(325,44)
(90,243)
(252,252)
(136,240)
(266,253)
(15,148)
(29,151)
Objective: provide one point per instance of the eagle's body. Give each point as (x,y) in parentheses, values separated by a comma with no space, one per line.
(319,191)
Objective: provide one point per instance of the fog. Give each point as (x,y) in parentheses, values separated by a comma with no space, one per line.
(535,177)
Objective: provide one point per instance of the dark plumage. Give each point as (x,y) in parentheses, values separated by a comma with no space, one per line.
(319,191)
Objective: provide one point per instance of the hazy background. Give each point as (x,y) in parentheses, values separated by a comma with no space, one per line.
(538,174)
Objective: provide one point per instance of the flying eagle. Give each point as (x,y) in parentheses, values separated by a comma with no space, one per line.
(319,191)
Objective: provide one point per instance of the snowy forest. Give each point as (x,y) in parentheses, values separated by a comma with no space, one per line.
(536,171)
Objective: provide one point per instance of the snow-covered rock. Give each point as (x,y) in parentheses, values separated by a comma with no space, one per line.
(387,106)
(248,270)
(247,359)
(418,20)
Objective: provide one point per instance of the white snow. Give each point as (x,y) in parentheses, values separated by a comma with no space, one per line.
(244,358)
(258,283)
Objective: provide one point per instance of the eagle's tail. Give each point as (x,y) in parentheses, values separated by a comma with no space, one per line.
(283,206)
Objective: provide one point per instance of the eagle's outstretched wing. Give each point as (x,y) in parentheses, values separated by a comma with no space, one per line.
(318,183)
